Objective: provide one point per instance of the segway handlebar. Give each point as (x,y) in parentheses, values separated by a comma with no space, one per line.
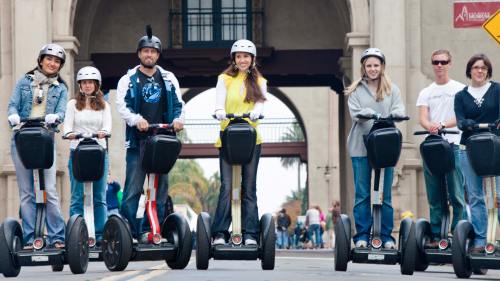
(233,115)
(380,118)
(37,120)
(161,126)
(440,132)
(85,136)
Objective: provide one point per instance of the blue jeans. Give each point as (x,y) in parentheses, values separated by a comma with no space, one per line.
(282,239)
(315,229)
(53,220)
(98,195)
(362,208)
(438,195)
(249,210)
(134,181)
(475,195)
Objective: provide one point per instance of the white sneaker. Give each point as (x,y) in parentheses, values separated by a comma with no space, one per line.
(361,244)
(389,245)
(219,241)
(250,241)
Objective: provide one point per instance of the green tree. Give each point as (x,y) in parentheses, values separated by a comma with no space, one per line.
(189,186)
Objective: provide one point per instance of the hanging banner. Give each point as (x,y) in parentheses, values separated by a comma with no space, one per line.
(473,13)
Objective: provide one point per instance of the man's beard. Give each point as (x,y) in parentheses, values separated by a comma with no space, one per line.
(148,65)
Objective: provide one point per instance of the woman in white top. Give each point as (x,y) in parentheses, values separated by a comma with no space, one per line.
(88,112)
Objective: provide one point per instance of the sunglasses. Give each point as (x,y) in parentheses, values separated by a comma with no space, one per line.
(442,62)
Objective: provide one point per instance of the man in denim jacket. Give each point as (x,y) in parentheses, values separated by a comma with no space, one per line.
(146,94)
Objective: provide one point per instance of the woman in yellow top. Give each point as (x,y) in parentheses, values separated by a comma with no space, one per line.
(240,89)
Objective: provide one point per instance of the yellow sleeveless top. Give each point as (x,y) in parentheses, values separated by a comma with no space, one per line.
(235,102)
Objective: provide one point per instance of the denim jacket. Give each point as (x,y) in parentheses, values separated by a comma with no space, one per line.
(21,100)
(128,102)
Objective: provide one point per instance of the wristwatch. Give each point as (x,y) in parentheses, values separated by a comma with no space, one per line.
(443,124)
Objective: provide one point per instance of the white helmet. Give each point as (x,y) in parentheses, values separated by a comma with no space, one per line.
(88,73)
(372,52)
(244,45)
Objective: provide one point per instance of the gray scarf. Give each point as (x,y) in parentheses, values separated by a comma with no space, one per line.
(41,84)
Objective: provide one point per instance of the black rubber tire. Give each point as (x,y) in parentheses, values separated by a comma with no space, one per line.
(342,248)
(11,237)
(480,271)
(407,247)
(422,233)
(267,242)
(57,267)
(462,237)
(203,241)
(176,229)
(116,244)
(77,246)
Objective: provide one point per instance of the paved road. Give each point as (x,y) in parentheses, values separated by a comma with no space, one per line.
(304,265)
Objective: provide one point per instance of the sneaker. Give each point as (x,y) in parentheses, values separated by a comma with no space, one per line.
(477,250)
(219,240)
(144,238)
(250,242)
(361,244)
(389,245)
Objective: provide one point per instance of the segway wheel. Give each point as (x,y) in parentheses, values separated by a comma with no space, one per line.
(422,234)
(116,244)
(77,247)
(407,247)
(480,271)
(203,241)
(463,237)
(11,237)
(342,243)
(267,242)
(176,229)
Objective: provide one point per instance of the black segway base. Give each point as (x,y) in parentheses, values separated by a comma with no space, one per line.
(377,256)
(232,252)
(41,257)
(152,252)
(489,261)
(438,256)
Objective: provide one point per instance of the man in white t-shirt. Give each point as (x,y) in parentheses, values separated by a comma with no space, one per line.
(436,111)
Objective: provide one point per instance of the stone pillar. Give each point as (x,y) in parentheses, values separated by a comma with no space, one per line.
(356,43)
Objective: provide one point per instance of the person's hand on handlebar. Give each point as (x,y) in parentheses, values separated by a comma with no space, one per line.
(101,134)
(70,136)
(220,114)
(14,119)
(142,125)
(178,126)
(434,128)
(51,118)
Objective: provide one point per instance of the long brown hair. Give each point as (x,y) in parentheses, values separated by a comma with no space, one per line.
(254,93)
(97,101)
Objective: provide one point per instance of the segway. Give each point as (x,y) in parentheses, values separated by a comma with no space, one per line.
(439,158)
(383,145)
(483,151)
(35,147)
(172,242)
(238,141)
(88,166)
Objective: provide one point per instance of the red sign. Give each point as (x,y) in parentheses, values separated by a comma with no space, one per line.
(473,13)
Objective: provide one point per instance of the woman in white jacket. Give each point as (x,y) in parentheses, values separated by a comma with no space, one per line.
(89,113)
(373,93)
